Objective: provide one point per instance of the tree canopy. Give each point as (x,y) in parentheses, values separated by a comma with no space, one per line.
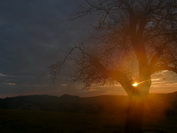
(134,39)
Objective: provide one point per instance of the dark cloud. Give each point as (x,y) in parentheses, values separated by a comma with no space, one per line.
(33,35)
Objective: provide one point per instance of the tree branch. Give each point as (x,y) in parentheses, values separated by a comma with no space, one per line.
(164,67)
(55,68)
(118,76)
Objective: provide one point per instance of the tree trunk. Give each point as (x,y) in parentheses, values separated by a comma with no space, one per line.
(135,114)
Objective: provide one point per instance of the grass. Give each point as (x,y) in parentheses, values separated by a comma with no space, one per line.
(19,121)
(23,121)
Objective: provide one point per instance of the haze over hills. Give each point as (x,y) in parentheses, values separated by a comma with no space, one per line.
(99,104)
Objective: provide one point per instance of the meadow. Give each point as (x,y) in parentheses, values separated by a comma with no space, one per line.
(27,121)
(72,114)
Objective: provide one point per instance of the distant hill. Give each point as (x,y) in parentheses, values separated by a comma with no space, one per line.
(97,104)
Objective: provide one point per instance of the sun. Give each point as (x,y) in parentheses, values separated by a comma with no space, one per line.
(135,84)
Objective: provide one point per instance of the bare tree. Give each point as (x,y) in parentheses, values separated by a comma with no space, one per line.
(135,39)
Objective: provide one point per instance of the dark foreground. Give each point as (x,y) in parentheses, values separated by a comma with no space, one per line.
(25,121)
(70,114)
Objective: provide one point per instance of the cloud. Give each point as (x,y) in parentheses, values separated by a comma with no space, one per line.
(33,35)
(2,75)
(8,84)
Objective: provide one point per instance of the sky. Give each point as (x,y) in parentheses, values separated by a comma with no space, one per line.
(34,35)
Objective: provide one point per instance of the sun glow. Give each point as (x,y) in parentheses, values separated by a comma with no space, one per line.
(135,84)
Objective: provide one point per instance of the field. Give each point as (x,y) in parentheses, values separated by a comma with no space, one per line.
(25,121)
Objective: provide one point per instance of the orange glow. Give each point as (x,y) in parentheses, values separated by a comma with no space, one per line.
(135,84)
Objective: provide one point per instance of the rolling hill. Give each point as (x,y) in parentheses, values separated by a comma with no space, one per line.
(97,104)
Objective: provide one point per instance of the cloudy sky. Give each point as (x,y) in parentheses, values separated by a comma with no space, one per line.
(34,35)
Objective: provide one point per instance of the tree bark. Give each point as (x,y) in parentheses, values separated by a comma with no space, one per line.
(135,114)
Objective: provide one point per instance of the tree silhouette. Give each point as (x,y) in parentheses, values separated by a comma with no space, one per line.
(135,39)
